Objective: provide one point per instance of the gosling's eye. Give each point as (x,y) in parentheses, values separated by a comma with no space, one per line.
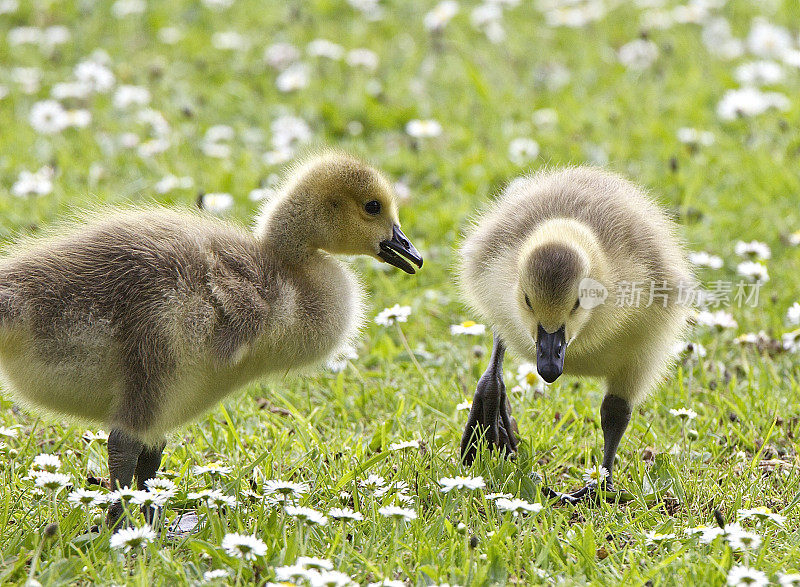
(373,207)
(528,302)
(575,307)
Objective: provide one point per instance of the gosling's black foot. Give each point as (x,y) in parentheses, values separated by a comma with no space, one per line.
(490,416)
(589,493)
(489,422)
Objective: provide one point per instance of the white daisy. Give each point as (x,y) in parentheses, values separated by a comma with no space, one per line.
(442,13)
(491,496)
(9,432)
(719,319)
(397,513)
(127,96)
(215,575)
(293,78)
(517,506)
(47,462)
(165,487)
(86,497)
(48,117)
(395,446)
(287,489)
(325,48)
(39,183)
(789,579)
(244,546)
(281,55)
(594,475)
(448,483)
(743,540)
(362,58)
(423,129)
(372,482)
(396,313)
(740,575)
(345,514)
(97,75)
(753,250)
(639,54)
(793,314)
(306,515)
(685,414)
(762,514)
(753,270)
(217,203)
(126,539)
(467,327)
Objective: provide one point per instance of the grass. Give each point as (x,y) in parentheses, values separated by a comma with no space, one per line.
(333,430)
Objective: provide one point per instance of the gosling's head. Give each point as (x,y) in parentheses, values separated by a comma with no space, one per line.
(348,208)
(552,295)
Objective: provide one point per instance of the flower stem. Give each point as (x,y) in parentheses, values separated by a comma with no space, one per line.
(422,372)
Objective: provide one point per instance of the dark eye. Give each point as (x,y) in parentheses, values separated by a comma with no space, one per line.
(575,307)
(373,207)
(528,302)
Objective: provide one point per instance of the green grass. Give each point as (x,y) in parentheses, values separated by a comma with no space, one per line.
(332,430)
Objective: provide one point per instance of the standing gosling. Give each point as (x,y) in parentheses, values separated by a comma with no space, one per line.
(142,320)
(538,265)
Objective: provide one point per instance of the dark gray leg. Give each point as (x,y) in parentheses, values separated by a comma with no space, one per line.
(123,455)
(490,416)
(146,468)
(615,413)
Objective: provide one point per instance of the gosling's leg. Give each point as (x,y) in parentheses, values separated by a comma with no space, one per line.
(123,456)
(615,414)
(490,416)
(146,468)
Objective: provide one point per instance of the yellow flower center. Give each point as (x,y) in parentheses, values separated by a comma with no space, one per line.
(468,324)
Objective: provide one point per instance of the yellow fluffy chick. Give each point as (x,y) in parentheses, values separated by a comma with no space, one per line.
(580,272)
(142,320)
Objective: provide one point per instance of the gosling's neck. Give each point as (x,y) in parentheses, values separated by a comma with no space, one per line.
(287,228)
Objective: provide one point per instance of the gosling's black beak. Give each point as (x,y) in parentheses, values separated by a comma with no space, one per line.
(550,351)
(396,248)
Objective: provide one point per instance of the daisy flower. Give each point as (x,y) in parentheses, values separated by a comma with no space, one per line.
(593,475)
(215,575)
(397,513)
(48,117)
(467,327)
(442,13)
(465,405)
(762,514)
(491,496)
(754,270)
(217,203)
(743,540)
(638,54)
(218,500)
(423,129)
(448,483)
(244,546)
(740,575)
(345,514)
(793,314)
(306,515)
(286,489)
(148,499)
(215,468)
(789,579)
(127,539)
(523,150)
(396,313)
(372,482)
(685,414)
(52,481)
(720,319)
(395,446)
(86,497)
(704,259)
(517,506)
(47,462)
(165,487)
(99,436)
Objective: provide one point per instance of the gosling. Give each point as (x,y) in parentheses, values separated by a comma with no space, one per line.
(142,320)
(581,272)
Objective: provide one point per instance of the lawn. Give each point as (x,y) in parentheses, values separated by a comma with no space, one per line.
(204,103)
